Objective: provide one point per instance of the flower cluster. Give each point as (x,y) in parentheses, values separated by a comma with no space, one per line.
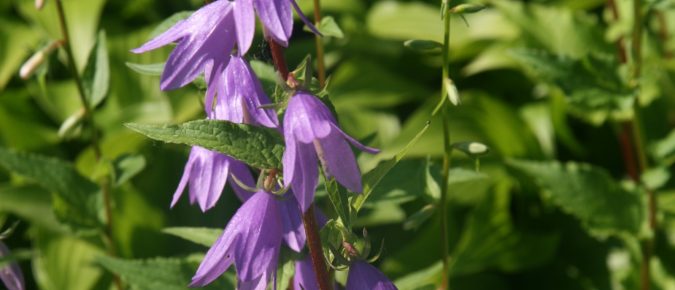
(213,42)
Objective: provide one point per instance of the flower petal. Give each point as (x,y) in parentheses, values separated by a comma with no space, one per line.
(277,17)
(291,218)
(306,175)
(304,18)
(244,17)
(10,274)
(364,276)
(304,275)
(339,161)
(187,171)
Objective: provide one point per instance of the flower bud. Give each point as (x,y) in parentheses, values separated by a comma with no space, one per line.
(39,4)
(34,62)
(467,8)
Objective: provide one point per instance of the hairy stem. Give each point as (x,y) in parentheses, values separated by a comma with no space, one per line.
(448,152)
(308,218)
(89,119)
(320,61)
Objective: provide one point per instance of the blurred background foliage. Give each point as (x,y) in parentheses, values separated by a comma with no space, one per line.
(539,81)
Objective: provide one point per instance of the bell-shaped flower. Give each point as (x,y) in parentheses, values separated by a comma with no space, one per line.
(240,95)
(363,276)
(10,274)
(304,278)
(205,41)
(205,175)
(312,134)
(252,240)
(275,15)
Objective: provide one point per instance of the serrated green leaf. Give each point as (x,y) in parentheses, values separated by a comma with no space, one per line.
(203,236)
(79,197)
(590,194)
(160,273)
(592,84)
(96,76)
(257,146)
(32,203)
(152,69)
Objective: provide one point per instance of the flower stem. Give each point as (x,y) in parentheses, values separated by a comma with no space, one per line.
(308,218)
(315,249)
(320,61)
(447,151)
(88,118)
(631,138)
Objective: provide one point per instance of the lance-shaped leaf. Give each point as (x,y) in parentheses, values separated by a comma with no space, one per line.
(257,146)
(77,200)
(203,236)
(590,194)
(96,76)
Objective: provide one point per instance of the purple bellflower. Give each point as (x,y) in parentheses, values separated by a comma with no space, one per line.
(206,173)
(10,274)
(240,95)
(252,240)
(312,134)
(363,276)
(205,40)
(305,278)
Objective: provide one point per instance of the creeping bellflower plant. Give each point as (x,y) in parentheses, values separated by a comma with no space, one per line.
(10,274)
(312,134)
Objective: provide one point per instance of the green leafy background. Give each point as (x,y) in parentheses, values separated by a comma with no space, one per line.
(551,207)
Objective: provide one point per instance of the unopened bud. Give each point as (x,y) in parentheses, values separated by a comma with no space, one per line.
(39,4)
(473,149)
(34,62)
(467,8)
(452,92)
(29,67)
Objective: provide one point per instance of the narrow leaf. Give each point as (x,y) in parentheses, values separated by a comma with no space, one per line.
(203,236)
(152,69)
(96,76)
(257,146)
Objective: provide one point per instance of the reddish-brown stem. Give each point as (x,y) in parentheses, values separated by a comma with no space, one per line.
(308,218)
(628,151)
(278,58)
(621,50)
(315,249)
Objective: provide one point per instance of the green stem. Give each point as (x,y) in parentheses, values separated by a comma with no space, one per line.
(320,61)
(447,151)
(89,119)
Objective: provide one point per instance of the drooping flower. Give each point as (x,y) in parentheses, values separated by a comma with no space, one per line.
(10,274)
(240,95)
(205,40)
(363,276)
(251,241)
(206,173)
(312,134)
(275,15)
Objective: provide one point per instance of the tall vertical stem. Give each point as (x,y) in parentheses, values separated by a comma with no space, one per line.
(320,61)
(632,144)
(447,150)
(89,119)
(308,218)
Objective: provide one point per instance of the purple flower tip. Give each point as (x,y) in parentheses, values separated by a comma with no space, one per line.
(312,134)
(11,274)
(364,276)
(206,172)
